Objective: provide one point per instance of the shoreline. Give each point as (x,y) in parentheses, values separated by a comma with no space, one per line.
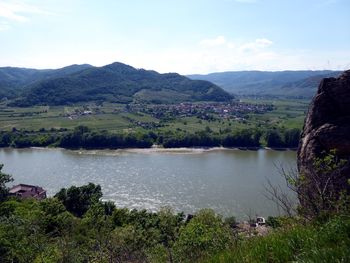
(158,149)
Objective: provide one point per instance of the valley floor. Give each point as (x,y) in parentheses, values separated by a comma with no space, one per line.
(248,113)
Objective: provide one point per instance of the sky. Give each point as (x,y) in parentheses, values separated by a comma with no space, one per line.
(184,36)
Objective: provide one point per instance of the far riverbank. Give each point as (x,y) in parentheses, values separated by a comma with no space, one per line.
(158,148)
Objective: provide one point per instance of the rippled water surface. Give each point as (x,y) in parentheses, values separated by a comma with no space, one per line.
(229,181)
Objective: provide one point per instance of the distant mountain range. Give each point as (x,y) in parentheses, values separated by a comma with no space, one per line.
(116,82)
(279,83)
(122,83)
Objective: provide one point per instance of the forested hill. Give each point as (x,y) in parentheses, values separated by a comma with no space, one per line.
(279,83)
(116,82)
(14,80)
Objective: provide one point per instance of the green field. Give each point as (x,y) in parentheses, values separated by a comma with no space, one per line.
(287,113)
(114,118)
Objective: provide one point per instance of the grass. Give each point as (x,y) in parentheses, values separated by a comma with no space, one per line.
(329,242)
(287,114)
(193,124)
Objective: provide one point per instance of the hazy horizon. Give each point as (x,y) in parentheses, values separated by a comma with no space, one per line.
(227,71)
(188,37)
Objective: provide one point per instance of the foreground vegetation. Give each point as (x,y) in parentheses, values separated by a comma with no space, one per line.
(76,226)
(295,242)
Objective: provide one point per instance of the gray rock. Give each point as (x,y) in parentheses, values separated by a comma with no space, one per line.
(327,127)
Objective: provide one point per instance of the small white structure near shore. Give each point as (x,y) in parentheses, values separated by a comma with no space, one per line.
(260,221)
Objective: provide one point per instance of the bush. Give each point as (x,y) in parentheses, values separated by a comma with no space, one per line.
(78,200)
(298,243)
(204,235)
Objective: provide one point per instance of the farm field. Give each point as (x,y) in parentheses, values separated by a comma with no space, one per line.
(285,114)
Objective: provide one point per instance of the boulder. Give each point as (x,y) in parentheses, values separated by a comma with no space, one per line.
(327,128)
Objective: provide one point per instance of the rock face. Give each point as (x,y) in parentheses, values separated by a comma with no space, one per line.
(327,127)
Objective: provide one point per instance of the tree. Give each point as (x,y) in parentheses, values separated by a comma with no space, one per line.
(78,200)
(100,228)
(204,235)
(231,221)
(273,139)
(5,139)
(4,179)
(54,216)
(291,138)
(321,192)
(169,225)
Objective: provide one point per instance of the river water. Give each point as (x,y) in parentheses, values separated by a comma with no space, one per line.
(229,181)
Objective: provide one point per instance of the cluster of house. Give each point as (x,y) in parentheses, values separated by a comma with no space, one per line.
(224,110)
(28,191)
(79,112)
(76,115)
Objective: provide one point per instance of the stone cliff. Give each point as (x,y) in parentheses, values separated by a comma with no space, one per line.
(327,127)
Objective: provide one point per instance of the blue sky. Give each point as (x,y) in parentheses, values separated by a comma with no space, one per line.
(193,36)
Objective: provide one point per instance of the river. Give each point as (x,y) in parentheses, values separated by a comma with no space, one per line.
(227,180)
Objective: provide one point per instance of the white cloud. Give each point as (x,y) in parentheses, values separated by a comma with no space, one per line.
(218,41)
(4,26)
(18,11)
(11,12)
(263,42)
(198,58)
(222,42)
(210,55)
(230,55)
(256,45)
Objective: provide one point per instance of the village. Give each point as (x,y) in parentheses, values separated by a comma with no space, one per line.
(205,110)
(236,110)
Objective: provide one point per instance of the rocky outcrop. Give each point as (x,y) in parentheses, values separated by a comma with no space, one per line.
(327,127)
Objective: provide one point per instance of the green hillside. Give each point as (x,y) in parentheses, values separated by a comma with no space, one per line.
(116,82)
(280,83)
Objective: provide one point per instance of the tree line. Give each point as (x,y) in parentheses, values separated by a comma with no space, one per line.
(83,137)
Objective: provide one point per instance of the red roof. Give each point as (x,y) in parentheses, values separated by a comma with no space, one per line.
(26,190)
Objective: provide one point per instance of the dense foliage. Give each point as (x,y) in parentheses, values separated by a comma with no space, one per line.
(83,137)
(78,200)
(276,139)
(80,137)
(295,242)
(324,190)
(4,179)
